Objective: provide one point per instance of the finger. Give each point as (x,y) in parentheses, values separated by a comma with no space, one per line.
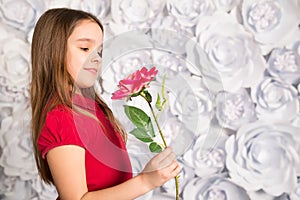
(162,155)
(168,160)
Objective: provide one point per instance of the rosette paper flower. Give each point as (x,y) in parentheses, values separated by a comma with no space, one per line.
(264,157)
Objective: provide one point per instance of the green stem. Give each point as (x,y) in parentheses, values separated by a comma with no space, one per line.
(157,124)
(164,142)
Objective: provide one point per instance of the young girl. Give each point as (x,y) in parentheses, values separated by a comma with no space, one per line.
(79,145)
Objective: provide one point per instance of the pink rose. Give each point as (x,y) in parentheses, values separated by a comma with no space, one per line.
(135,83)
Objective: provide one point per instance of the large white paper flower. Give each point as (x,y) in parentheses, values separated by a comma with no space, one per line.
(275,100)
(228,59)
(285,64)
(273,23)
(188,12)
(214,187)
(265,157)
(14,69)
(21,14)
(234,109)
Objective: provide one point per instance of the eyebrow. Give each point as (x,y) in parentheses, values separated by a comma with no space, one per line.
(85,40)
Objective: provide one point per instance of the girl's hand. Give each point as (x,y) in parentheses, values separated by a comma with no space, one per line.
(160,169)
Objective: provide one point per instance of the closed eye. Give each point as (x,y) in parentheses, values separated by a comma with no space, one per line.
(84,49)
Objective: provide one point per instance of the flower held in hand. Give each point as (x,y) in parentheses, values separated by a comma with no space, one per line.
(135,83)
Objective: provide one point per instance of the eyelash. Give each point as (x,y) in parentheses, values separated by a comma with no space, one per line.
(84,49)
(100,54)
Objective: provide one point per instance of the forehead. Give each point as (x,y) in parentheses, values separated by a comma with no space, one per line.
(87,30)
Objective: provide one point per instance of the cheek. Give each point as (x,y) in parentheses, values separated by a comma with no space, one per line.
(74,66)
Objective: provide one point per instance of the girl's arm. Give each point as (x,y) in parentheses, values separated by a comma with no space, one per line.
(67,165)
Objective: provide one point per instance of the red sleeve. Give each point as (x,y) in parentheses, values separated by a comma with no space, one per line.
(59,129)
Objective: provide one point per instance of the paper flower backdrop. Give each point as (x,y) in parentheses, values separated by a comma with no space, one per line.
(232,77)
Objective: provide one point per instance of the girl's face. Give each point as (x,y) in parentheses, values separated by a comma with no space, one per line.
(84,53)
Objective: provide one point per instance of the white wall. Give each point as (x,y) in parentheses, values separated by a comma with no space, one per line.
(233,73)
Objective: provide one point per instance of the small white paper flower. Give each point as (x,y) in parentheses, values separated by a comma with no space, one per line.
(273,23)
(265,157)
(234,109)
(275,100)
(207,155)
(191,101)
(285,64)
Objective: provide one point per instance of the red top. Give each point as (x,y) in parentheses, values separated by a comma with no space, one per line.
(106,159)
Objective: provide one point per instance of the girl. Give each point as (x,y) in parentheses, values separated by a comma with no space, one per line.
(79,145)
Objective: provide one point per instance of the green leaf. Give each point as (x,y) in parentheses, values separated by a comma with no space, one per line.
(139,118)
(155,148)
(151,129)
(141,134)
(158,103)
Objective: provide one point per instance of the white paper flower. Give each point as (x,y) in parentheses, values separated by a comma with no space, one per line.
(285,64)
(176,135)
(214,187)
(228,59)
(207,155)
(19,189)
(275,100)
(273,23)
(43,190)
(169,35)
(264,156)
(234,109)
(21,14)
(17,152)
(131,14)
(122,66)
(14,69)
(188,12)
(98,8)
(191,101)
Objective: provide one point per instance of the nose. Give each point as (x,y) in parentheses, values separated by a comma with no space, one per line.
(95,57)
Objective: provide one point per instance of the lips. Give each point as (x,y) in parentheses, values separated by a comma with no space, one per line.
(92,70)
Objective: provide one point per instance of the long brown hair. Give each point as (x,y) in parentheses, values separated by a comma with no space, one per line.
(50,78)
